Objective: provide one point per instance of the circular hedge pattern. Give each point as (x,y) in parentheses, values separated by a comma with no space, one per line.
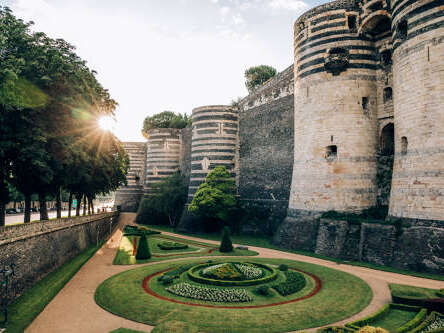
(269,272)
(341,296)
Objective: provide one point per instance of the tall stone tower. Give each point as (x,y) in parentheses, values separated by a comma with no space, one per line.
(335,113)
(418,80)
(163,155)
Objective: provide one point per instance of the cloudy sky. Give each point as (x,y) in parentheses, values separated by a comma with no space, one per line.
(156,55)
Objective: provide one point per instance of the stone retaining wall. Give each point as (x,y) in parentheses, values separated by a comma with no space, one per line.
(38,248)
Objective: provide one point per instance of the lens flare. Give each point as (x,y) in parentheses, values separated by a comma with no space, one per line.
(107,123)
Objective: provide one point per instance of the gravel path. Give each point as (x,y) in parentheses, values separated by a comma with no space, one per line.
(74,308)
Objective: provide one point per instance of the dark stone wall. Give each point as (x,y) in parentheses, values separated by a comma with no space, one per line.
(39,248)
(404,245)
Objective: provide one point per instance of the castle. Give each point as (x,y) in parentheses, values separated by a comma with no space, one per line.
(365,94)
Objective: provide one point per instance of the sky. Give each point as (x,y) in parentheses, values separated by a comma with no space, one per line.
(175,55)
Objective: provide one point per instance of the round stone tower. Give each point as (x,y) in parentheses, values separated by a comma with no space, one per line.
(214,142)
(418,81)
(163,155)
(335,112)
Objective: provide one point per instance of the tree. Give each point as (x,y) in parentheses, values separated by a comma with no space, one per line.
(215,198)
(226,245)
(166,203)
(257,75)
(166,119)
(143,250)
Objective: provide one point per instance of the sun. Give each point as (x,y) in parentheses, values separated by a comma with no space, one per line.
(107,123)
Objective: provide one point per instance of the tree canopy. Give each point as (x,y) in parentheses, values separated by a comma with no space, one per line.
(215,198)
(50,103)
(166,119)
(257,75)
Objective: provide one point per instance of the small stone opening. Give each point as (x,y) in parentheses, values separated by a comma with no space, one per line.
(404,145)
(387,141)
(386,58)
(331,153)
(351,22)
(388,94)
(376,6)
(336,60)
(364,103)
(402,29)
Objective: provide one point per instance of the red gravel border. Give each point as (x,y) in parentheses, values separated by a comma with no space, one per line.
(148,290)
(134,246)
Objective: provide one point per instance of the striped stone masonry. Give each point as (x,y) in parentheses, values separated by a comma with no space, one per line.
(214,142)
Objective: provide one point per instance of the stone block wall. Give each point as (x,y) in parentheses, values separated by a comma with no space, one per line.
(38,248)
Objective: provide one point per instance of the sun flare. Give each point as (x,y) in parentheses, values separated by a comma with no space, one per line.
(107,123)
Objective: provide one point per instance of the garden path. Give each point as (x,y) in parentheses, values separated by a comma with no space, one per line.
(74,308)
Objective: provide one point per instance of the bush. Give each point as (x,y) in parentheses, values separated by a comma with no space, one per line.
(440,293)
(166,279)
(175,326)
(172,246)
(370,329)
(226,245)
(295,281)
(283,267)
(143,250)
(335,329)
(263,290)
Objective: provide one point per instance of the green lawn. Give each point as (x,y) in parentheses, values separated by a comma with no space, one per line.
(341,296)
(265,241)
(124,254)
(34,300)
(125,330)
(394,319)
(409,291)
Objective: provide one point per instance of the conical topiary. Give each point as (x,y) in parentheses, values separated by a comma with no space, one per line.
(225,244)
(143,250)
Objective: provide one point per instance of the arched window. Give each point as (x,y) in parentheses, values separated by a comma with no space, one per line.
(331,153)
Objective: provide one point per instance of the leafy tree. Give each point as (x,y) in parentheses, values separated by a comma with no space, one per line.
(226,245)
(143,250)
(166,204)
(257,75)
(215,198)
(166,119)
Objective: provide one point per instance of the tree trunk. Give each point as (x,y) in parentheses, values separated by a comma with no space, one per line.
(59,203)
(89,205)
(92,205)
(27,217)
(84,205)
(2,213)
(69,204)
(15,204)
(79,204)
(43,208)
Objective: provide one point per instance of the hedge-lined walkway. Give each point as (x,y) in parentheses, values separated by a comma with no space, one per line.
(74,308)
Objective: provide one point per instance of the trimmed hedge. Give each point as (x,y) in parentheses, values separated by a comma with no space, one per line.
(335,329)
(199,279)
(172,246)
(143,250)
(431,304)
(430,319)
(382,312)
(133,230)
(295,282)
(440,293)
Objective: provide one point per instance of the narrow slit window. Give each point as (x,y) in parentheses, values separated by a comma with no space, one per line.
(351,21)
(388,94)
(386,58)
(331,153)
(402,29)
(404,145)
(364,103)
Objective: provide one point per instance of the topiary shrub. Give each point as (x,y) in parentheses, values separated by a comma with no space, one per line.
(175,326)
(263,290)
(143,250)
(283,267)
(226,245)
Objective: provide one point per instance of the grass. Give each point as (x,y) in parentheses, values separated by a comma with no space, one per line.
(394,319)
(265,241)
(414,292)
(124,254)
(23,311)
(341,296)
(125,330)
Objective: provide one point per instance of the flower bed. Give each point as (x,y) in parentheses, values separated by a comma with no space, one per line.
(228,275)
(210,294)
(434,323)
(249,271)
(172,246)
(295,281)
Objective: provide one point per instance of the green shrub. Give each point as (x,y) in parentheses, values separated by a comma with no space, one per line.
(283,267)
(226,245)
(416,321)
(263,290)
(143,250)
(175,326)
(428,323)
(166,279)
(295,281)
(172,246)
(440,293)
(335,329)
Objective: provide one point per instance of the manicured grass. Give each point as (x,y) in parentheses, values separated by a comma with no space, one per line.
(124,254)
(34,300)
(394,319)
(265,241)
(409,291)
(341,296)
